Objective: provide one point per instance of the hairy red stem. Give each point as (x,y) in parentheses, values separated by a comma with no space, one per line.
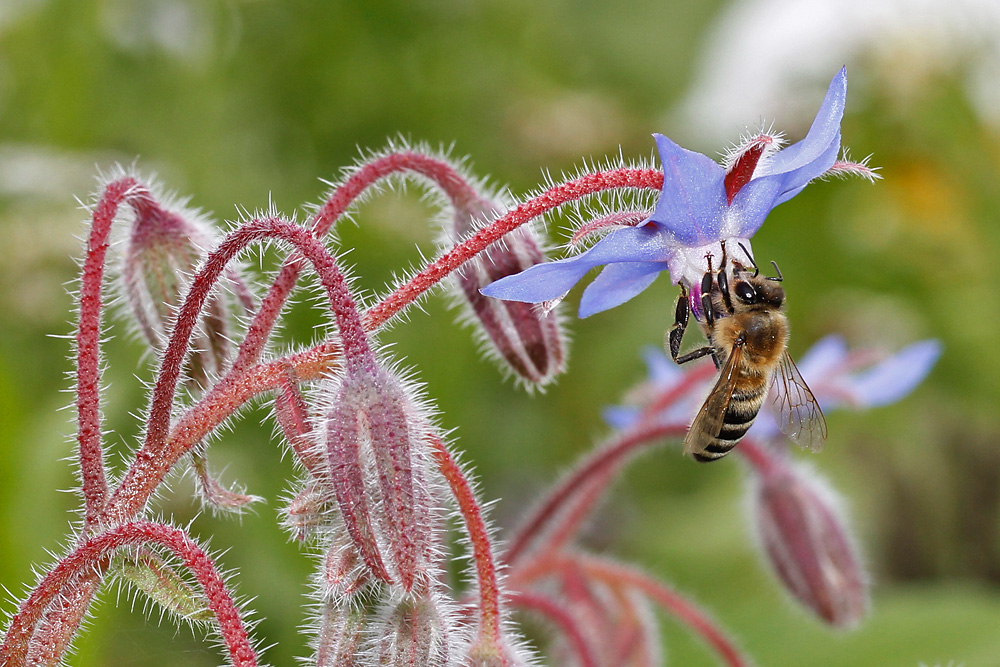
(558,615)
(591,478)
(682,609)
(88,347)
(243,384)
(454,185)
(757,456)
(600,464)
(479,538)
(552,198)
(97,548)
(154,458)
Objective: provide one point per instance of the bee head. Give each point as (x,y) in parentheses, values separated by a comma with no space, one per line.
(754,290)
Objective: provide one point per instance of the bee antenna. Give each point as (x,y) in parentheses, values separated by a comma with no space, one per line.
(778,278)
(756,269)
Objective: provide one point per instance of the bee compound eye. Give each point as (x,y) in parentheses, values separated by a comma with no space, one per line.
(745,293)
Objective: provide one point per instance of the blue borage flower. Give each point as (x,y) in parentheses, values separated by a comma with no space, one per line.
(838,377)
(701,205)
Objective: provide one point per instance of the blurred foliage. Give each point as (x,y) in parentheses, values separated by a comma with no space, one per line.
(247,102)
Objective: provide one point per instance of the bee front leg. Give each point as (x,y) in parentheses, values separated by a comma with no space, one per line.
(681,316)
(676,334)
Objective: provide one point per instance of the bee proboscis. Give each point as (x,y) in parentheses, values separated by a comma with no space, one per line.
(747,331)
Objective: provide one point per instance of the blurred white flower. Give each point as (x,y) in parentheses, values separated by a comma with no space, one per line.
(774,55)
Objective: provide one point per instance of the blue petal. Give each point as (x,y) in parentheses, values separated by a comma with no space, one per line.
(822,358)
(752,204)
(796,180)
(898,375)
(793,167)
(662,371)
(617,284)
(693,198)
(551,280)
(621,417)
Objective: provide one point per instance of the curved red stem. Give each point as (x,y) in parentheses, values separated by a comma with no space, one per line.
(155,458)
(479,538)
(95,549)
(88,349)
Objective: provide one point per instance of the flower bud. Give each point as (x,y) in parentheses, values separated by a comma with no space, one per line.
(163,250)
(807,543)
(413,633)
(527,338)
(375,436)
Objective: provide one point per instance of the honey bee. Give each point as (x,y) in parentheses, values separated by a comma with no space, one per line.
(748,335)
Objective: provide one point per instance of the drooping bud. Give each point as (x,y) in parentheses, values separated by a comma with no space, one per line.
(164,247)
(527,338)
(375,436)
(807,542)
(413,632)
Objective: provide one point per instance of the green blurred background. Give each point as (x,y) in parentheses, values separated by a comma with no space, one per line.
(246,102)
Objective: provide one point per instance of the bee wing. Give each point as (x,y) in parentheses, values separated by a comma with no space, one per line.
(707,423)
(799,415)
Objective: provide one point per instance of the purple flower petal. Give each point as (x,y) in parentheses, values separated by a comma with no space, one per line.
(621,417)
(693,216)
(898,375)
(693,198)
(789,170)
(798,179)
(662,371)
(617,284)
(822,358)
(551,280)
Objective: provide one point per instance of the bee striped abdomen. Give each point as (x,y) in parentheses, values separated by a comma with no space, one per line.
(744,405)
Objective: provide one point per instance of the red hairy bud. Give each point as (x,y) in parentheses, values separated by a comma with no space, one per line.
(807,543)
(163,249)
(375,436)
(527,338)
